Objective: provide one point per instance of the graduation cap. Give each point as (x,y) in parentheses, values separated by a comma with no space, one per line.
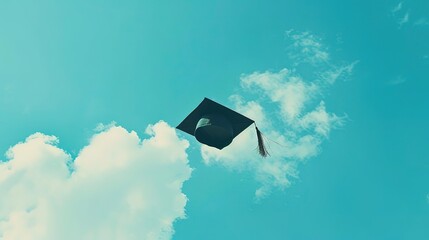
(216,125)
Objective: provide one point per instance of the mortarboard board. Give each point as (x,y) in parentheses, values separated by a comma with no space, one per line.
(216,125)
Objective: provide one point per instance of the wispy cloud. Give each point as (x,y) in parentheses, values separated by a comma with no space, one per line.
(121,187)
(291,112)
(397,81)
(397,8)
(338,72)
(422,22)
(403,20)
(402,16)
(306,48)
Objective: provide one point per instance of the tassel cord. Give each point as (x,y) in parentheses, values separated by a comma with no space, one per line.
(261,146)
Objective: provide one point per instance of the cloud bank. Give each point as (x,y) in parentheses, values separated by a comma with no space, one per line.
(290,110)
(118,187)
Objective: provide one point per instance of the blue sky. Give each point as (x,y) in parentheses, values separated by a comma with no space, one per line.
(66,67)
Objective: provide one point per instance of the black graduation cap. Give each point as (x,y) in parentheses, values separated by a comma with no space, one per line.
(216,125)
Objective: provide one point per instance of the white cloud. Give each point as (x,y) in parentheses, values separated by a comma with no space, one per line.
(291,141)
(121,187)
(291,113)
(290,91)
(320,121)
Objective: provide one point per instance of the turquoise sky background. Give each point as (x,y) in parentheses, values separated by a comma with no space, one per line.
(67,66)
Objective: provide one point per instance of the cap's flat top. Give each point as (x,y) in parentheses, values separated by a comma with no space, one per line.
(207,106)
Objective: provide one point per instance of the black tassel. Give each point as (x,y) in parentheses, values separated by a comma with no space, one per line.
(261,147)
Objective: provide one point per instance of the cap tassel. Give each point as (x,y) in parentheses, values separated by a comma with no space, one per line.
(261,146)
